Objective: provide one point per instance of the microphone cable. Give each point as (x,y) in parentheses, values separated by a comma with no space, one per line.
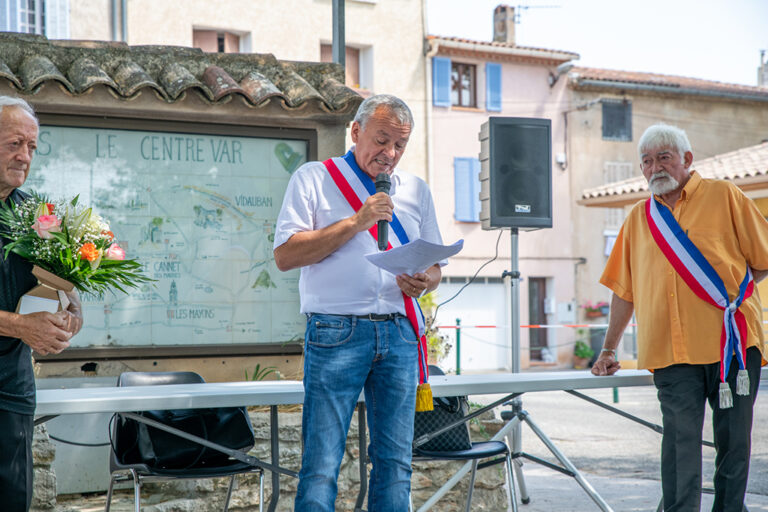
(495,256)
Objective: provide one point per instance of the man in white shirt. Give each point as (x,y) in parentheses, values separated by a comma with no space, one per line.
(357,336)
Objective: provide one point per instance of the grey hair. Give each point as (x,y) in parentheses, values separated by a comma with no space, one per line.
(664,135)
(10,101)
(393,103)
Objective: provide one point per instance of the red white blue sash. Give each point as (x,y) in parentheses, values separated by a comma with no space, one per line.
(704,281)
(356,187)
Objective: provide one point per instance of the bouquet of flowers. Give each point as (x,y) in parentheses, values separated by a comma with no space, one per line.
(69,241)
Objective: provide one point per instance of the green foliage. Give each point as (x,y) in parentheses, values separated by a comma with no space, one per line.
(260,373)
(437,344)
(581,349)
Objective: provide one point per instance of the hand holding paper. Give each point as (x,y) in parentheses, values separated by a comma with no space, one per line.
(413,257)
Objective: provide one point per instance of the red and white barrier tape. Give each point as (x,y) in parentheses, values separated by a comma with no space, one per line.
(527,326)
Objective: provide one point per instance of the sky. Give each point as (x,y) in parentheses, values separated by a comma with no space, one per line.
(710,39)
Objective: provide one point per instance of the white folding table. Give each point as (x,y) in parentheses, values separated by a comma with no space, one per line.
(54,402)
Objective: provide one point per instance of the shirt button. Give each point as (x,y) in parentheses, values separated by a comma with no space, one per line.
(671,294)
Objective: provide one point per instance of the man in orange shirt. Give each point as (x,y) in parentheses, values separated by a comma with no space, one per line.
(686,262)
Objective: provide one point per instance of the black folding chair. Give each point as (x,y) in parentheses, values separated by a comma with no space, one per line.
(497,451)
(125,465)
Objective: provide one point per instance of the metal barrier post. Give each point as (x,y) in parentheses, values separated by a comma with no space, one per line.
(458,346)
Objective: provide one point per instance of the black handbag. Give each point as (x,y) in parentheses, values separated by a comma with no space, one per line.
(446,410)
(227,426)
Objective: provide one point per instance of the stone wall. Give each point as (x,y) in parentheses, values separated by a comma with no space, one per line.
(208,495)
(43,453)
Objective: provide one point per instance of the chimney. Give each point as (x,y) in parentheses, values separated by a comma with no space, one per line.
(504,25)
(762,71)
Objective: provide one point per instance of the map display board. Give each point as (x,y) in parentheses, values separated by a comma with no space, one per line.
(198,211)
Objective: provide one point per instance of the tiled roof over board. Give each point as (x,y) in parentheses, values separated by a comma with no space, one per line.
(29,61)
(745,167)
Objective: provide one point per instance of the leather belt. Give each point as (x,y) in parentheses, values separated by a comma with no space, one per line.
(376,317)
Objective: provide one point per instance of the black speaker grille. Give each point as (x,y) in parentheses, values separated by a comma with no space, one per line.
(521,170)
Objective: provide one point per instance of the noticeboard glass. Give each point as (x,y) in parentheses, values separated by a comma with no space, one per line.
(198,211)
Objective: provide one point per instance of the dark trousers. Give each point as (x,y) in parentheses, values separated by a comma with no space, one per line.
(15,461)
(683,390)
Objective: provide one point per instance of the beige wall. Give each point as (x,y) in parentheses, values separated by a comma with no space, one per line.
(713,126)
(290,30)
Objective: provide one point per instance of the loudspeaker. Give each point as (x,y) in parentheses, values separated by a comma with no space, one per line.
(516,173)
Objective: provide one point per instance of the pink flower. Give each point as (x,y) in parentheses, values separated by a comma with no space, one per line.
(114,252)
(45,225)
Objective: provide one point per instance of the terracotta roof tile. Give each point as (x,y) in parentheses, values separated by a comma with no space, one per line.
(496,44)
(131,78)
(258,87)
(220,83)
(38,69)
(29,61)
(741,164)
(85,73)
(581,76)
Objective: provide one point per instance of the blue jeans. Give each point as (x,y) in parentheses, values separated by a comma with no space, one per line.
(342,355)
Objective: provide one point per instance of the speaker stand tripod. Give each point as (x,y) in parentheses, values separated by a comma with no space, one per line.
(517,415)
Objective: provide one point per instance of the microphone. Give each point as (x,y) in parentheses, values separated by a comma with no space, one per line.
(382,185)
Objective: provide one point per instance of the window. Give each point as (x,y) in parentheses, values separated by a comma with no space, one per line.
(355,59)
(463,85)
(31,16)
(466,174)
(217,41)
(617,120)
(613,172)
(455,84)
(45,17)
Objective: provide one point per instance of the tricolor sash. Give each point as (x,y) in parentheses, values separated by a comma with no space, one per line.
(356,187)
(703,280)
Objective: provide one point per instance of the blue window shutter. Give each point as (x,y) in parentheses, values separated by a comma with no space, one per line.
(466,189)
(493,87)
(475,189)
(441,82)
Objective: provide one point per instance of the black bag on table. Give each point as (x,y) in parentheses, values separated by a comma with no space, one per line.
(446,410)
(227,426)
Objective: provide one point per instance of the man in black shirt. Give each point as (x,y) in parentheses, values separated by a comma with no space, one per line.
(45,333)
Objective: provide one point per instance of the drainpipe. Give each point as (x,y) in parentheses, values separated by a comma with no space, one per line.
(430,50)
(114,20)
(124,19)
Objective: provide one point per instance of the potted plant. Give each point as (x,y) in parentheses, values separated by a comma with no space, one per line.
(582,353)
(437,344)
(595,310)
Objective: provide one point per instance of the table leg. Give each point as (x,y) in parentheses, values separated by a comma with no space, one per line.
(363,457)
(275,452)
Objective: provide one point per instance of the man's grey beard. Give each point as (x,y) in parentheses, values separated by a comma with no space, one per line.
(662,183)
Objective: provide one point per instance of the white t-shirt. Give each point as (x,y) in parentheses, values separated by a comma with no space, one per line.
(345,282)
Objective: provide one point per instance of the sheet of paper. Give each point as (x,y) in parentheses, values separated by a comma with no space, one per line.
(32,304)
(413,257)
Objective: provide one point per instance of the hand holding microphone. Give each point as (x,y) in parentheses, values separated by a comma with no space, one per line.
(383,185)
